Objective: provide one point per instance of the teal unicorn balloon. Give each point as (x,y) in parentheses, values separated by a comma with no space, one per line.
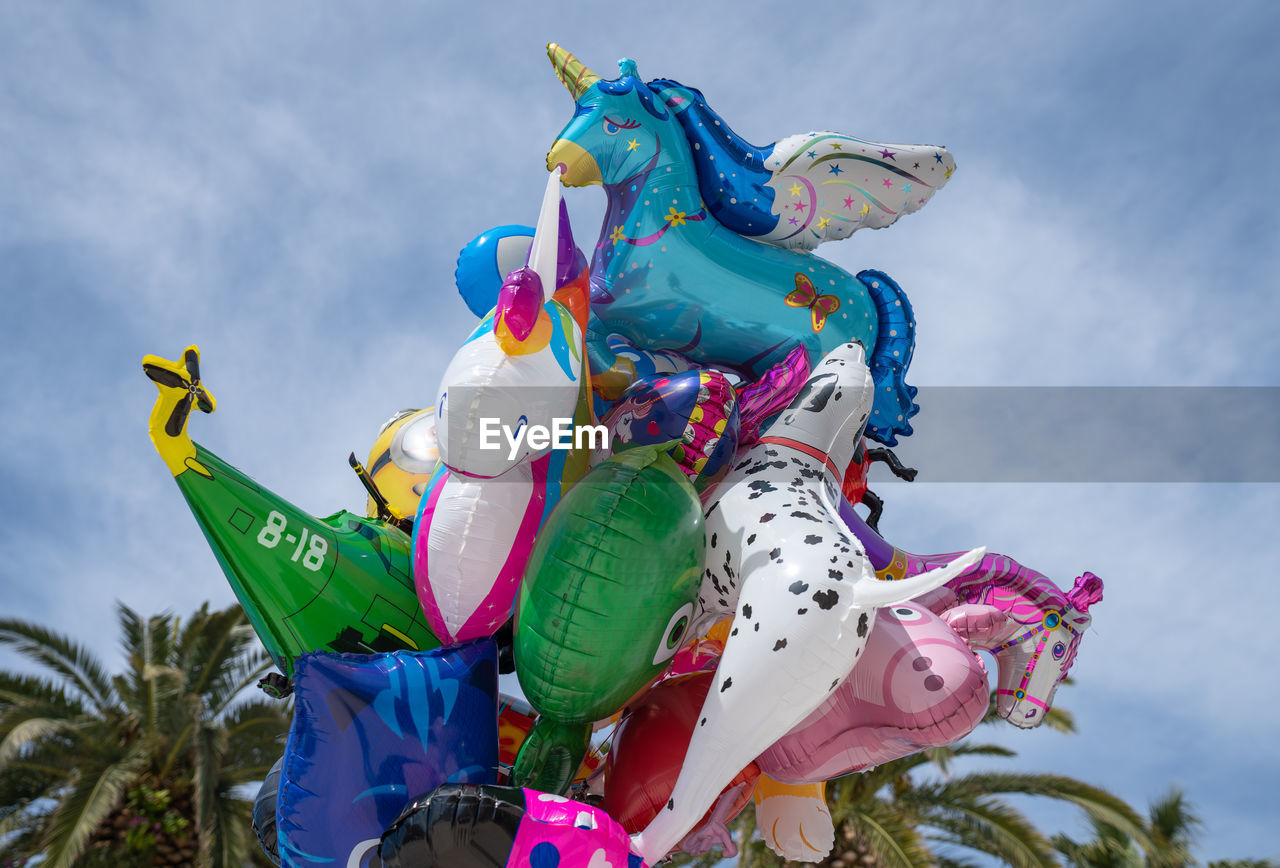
(706,238)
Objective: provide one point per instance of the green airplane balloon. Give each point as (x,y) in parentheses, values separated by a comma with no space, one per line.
(606,600)
(342,583)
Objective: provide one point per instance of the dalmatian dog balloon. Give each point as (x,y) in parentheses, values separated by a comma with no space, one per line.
(800,584)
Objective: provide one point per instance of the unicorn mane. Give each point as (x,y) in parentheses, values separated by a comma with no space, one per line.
(628,82)
(743,203)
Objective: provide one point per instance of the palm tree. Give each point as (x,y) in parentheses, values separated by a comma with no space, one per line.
(892,816)
(1172,826)
(143,767)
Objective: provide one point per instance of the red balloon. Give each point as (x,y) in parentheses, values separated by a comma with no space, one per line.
(648,750)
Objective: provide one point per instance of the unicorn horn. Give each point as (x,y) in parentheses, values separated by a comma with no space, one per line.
(544,253)
(524,290)
(572,74)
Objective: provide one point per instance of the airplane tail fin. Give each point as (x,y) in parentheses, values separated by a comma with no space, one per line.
(180,389)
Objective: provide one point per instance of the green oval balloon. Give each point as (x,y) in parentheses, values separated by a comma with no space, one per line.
(609,592)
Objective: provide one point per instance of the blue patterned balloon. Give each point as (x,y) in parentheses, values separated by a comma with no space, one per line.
(371,732)
(697,408)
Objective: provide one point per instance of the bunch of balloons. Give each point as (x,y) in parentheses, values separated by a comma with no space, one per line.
(633,489)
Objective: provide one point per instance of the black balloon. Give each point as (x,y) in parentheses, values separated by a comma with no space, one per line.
(264,813)
(456,826)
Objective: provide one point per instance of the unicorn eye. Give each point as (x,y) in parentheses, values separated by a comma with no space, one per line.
(1058,650)
(612,127)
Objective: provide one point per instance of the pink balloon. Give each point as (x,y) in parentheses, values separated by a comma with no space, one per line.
(917,685)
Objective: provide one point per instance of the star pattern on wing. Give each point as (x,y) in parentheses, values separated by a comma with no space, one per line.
(836,184)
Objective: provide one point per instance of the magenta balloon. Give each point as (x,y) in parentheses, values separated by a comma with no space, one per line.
(917,685)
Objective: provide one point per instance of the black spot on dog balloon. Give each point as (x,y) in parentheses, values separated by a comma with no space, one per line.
(827,599)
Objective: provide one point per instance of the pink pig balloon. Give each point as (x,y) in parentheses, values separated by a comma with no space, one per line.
(917,685)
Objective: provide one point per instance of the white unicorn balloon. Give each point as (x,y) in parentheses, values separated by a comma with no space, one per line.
(521,367)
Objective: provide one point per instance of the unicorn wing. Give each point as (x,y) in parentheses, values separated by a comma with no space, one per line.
(826,185)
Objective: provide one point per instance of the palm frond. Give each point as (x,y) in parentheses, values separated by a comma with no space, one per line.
(870,781)
(210,641)
(891,835)
(54,757)
(27,732)
(253,732)
(86,804)
(234,841)
(969,749)
(209,747)
(156,679)
(1095,801)
(17,714)
(1108,849)
(1059,720)
(953,862)
(987,825)
(72,661)
(1174,824)
(244,673)
(22,689)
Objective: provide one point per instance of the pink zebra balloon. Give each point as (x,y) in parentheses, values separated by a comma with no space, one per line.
(1031,626)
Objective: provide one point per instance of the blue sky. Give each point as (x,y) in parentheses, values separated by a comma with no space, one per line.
(287,185)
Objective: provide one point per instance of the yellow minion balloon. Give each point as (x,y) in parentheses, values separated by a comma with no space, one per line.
(402,460)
